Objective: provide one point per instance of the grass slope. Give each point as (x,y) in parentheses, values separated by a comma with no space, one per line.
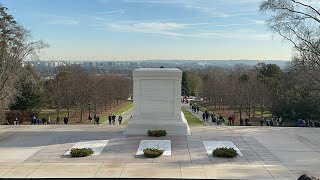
(191,119)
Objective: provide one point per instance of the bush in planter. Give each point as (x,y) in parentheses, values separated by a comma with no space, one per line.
(81,152)
(157,133)
(225,152)
(153,152)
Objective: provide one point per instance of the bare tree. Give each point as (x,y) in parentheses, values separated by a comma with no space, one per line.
(15,45)
(298,22)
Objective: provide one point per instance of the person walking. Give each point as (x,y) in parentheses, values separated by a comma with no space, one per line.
(229,120)
(110,119)
(113,119)
(120,119)
(213,118)
(203,117)
(198,109)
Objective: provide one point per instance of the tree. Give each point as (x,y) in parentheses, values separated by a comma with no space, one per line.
(298,22)
(185,87)
(29,91)
(15,45)
(195,82)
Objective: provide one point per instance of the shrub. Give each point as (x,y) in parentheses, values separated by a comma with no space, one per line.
(81,152)
(152,152)
(157,133)
(225,152)
(23,116)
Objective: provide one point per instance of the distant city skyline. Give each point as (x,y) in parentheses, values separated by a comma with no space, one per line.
(150,29)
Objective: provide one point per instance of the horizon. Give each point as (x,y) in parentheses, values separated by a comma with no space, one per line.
(137,30)
(133,60)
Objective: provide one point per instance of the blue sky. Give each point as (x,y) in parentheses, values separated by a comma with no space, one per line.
(149,29)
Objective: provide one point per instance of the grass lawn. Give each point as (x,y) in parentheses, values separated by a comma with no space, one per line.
(123,109)
(191,119)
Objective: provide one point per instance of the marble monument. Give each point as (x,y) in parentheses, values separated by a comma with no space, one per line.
(157,102)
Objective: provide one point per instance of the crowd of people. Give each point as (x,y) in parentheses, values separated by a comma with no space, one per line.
(92,120)
(308,123)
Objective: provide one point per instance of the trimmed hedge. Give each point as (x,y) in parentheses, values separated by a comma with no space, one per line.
(157,133)
(224,152)
(152,152)
(81,152)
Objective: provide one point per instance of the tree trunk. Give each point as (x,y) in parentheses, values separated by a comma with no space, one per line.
(81,114)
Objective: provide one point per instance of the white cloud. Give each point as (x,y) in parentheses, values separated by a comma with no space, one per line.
(119,11)
(260,22)
(159,25)
(64,22)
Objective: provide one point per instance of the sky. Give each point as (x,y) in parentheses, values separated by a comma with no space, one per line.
(150,29)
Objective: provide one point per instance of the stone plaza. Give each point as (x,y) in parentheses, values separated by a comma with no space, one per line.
(268,153)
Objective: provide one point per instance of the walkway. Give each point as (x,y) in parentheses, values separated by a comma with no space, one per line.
(199,115)
(269,153)
(125,117)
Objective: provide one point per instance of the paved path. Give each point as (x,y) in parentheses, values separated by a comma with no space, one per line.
(125,117)
(269,153)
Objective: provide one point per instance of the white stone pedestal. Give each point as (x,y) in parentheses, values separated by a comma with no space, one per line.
(156,102)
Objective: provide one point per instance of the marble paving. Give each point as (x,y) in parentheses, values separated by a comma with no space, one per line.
(268,153)
(96,146)
(159,144)
(211,145)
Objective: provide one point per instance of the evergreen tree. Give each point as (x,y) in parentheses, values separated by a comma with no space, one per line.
(185,87)
(30,89)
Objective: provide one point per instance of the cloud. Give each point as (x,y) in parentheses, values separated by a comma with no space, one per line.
(208,6)
(260,22)
(174,29)
(63,22)
(119,11)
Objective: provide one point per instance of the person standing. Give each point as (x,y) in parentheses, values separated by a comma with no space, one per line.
(90,119)
(109,118)
(207,115)
(120,119)
(66,120)
(95,118)
(33,120)
(98,120)
(113,119)
(16,121)
(229,120)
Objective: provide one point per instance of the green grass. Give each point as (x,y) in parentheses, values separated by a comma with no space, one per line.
(265,113)
(53,114)
(191,119)
(123,109)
